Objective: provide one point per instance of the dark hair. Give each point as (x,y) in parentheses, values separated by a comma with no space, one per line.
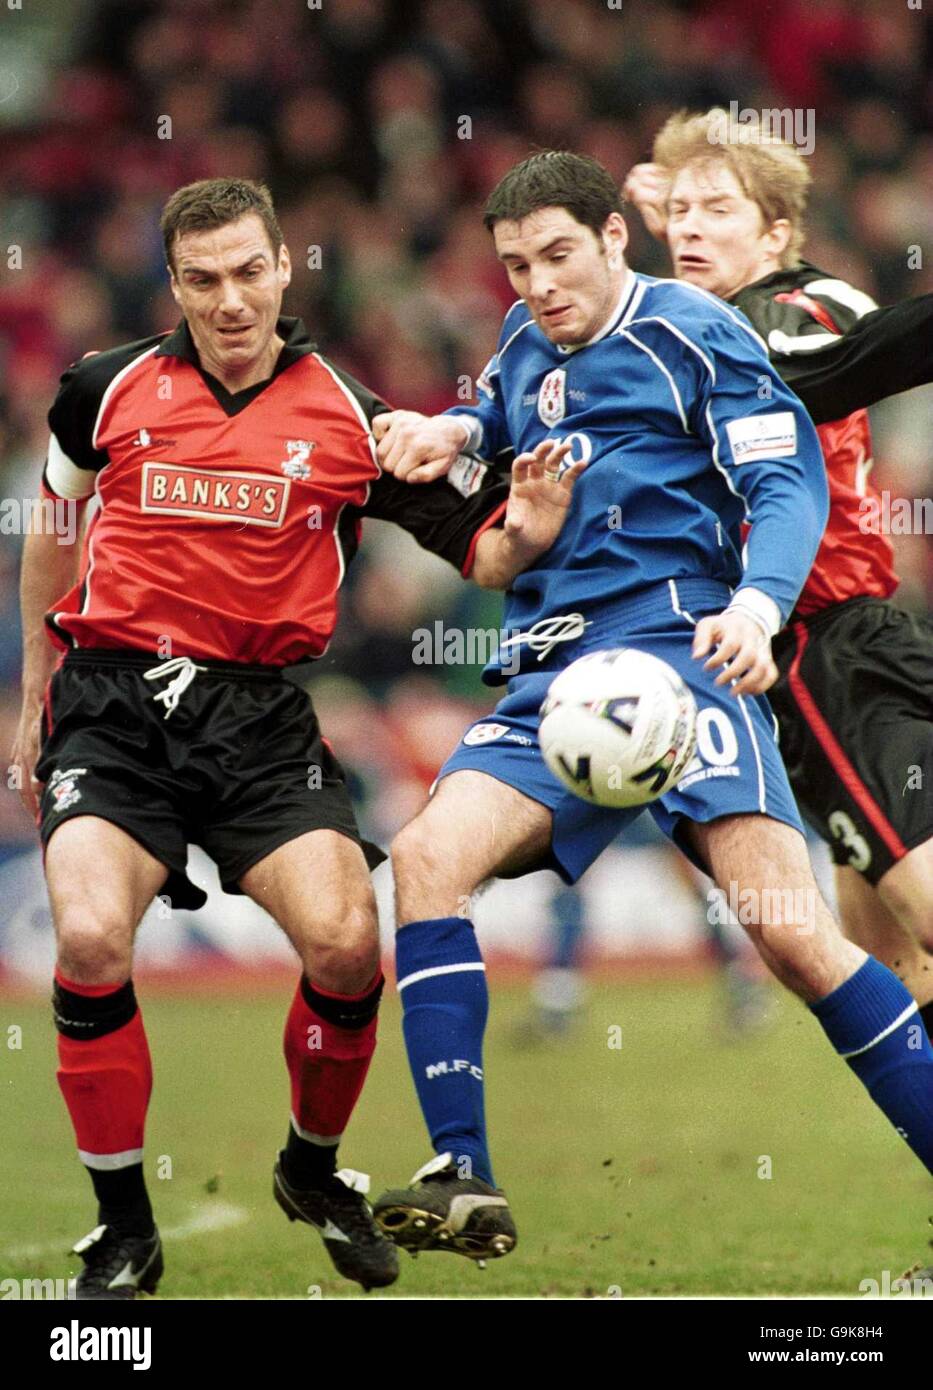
(555,179)
(211,203)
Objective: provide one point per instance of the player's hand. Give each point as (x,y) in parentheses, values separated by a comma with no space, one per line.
(647,187)
(417,448)
(739,645)
(25,754)
(539,497)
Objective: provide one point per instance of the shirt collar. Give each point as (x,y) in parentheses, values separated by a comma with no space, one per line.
(774,278)
(179,343)
(628,288)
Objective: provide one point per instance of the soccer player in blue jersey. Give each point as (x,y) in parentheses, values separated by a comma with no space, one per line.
(687,431)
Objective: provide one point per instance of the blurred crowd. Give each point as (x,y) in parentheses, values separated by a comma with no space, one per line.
(380,125)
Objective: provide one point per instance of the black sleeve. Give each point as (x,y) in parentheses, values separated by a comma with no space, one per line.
(439,516)
(77,405)
(884,352)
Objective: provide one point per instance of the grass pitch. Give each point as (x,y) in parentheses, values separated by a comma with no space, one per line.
(638,1168)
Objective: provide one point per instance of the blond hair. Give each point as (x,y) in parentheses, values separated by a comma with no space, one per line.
(769,170)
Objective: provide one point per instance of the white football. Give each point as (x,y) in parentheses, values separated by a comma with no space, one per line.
(618,727)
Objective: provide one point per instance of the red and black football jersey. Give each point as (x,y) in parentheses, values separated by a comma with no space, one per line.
(226,521)
(801,314)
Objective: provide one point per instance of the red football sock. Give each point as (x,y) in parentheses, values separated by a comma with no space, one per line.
(105,1071)
(328,1060)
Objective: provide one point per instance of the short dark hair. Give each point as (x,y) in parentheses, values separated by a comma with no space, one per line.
(210,203)
(555,179)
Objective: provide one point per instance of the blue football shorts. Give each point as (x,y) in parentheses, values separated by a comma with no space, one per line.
(736,770)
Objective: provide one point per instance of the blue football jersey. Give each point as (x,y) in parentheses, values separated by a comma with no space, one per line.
(687,431)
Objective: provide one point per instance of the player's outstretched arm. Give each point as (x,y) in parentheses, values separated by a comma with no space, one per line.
(420,448)
(539,499)
(885,352)
(50,567)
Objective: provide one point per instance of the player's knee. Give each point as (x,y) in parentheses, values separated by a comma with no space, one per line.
(806,956)
(780,941)
(410,847)
(93,947)
(343,969)
(913,908)
(342,951)
(917,916)
(417,858)
(430,880)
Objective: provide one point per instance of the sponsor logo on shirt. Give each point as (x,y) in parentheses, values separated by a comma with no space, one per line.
(484,733)
(552,400)
(763,436)
(245,497)
(144,440)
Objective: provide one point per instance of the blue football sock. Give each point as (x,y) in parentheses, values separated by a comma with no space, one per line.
(874,1023)
(442,984)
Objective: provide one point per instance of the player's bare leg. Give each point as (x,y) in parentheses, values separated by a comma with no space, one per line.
(474,828)
(765,862)
(889,932)
(867,1014)
(892,921)
(317,888)
(100,883)
(907,892)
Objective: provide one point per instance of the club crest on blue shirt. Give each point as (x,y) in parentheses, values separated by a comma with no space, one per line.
(552,398)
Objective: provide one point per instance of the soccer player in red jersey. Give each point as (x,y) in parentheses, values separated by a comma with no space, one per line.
(853,698)
(232,465)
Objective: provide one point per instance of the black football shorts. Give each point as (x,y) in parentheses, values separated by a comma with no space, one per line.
(238,766)
(854,703)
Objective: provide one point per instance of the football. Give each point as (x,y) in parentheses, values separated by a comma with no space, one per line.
(618,727)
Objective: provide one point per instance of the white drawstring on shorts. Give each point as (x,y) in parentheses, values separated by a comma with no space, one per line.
(184,671)
(543,636)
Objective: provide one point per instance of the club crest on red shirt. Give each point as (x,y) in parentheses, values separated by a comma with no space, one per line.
(296,465)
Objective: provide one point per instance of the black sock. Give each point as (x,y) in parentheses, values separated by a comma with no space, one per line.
(123,1201)
(307,1164)
(926,1013)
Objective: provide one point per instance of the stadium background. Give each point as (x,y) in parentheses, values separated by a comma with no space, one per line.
(352,113)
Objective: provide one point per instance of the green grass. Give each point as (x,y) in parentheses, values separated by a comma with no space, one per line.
(634,1167)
